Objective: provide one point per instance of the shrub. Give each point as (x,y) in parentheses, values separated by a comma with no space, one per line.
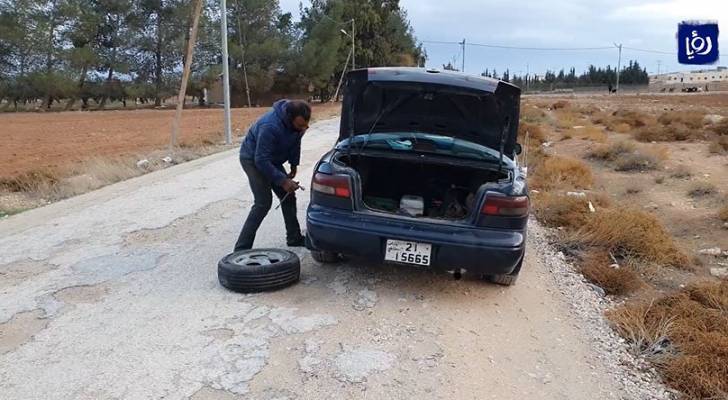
(686,333)
(566,118)
(562,173)
(630,118)
(533,114)
(598,268)
(535,133)
(665,133)
(31,181)
(702,189)
(592,133)
(721,128)
(691,119)
(719,145)
(557,210)
(612,151)
(560,104)
(681,172)
(723,213)
(636,162)
(631,233)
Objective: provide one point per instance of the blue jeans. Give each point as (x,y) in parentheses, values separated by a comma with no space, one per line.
(263,199)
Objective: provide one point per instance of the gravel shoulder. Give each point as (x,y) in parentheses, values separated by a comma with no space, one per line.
(113,294)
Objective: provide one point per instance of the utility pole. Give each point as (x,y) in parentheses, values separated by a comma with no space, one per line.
(353,45)
(658,66)
(463,64)
(225,72)
(185,74)
(527,80)
(619,64)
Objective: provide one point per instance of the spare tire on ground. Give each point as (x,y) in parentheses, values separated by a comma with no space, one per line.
(259,270)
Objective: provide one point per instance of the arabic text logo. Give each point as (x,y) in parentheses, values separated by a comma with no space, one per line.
(697,42)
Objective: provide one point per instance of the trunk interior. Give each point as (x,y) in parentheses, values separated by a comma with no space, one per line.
(442,191)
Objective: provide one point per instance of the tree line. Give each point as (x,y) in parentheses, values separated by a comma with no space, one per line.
(631,74)
(97,51)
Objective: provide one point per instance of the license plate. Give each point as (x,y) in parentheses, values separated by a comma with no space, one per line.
(408,252)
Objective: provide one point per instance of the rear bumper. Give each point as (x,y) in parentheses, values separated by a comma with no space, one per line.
(477,250)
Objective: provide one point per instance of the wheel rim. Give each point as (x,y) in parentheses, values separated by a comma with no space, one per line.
(258,257)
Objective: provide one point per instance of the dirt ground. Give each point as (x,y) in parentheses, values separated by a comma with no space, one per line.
(692,221)
(60,140)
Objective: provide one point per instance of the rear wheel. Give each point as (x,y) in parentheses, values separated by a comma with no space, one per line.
(506,279)
(325,257)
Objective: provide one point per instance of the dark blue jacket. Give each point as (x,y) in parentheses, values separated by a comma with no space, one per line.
(271,141)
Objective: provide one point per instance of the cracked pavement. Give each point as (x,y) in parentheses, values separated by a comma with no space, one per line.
(114,295)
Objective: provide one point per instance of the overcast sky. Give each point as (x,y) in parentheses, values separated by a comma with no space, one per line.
(556,23)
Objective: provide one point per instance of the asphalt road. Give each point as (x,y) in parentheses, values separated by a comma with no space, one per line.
(114,295)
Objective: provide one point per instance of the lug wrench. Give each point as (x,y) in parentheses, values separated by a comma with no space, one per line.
(286,196)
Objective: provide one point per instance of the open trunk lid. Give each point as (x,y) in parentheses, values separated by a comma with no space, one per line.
(479,110)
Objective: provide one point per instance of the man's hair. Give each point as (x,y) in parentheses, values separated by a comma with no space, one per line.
(298,108)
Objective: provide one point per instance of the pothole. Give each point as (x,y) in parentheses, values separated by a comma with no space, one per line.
(82,294)
(20,329)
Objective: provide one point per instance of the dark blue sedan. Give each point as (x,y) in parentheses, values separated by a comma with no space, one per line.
(424,173)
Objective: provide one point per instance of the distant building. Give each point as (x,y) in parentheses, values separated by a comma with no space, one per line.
(700,80)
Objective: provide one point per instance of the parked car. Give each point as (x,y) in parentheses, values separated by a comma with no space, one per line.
(424,173)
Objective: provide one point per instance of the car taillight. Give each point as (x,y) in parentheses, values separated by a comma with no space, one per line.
(507,206)
(334,185)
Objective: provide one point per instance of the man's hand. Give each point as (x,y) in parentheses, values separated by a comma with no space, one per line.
(290,186)
(292,174)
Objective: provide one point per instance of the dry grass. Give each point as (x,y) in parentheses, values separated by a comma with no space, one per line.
(587,110)
(625,156)
(557,210)
(531,113)
(31,181)
(664,133)
(702,189)
(567,118)
(723,213)
(718,145)
(589,132)
(636,162)
(536,134)
(622,120)
(57,184)
(646,335)
(691,119)
(681,172)
(673,126)
(556,172)
(599,268)
(633,234)
(612,151)
(687,333)
(721,128)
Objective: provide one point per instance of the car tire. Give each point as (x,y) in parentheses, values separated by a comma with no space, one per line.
(506,279)
(258,270)
(325,257)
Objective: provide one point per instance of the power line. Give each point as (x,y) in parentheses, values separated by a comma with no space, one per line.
(649,51)
(496,46)
(539,48)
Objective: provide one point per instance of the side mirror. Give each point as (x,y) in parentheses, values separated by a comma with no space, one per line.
(518,149)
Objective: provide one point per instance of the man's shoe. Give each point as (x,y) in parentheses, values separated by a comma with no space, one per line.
(298,241)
